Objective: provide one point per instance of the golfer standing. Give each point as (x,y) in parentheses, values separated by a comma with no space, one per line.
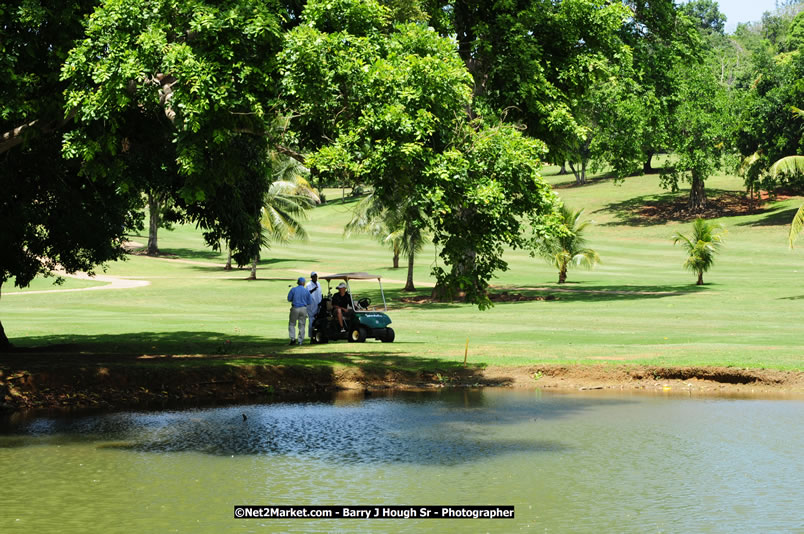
(299,298)
(315,293)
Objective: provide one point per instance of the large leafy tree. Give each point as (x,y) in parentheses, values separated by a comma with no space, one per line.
(792,165)
(389,105)
(204,72)
(700,131)
(536,59)
(50,213)
(767,130)
(662,41)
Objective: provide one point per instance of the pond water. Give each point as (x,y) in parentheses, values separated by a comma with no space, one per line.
(579,462)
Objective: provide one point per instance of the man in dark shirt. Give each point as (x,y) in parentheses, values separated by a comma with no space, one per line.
(341,303)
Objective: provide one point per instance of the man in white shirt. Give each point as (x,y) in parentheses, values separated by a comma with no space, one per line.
(315,295)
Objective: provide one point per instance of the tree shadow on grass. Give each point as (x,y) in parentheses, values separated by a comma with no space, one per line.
(199,348)
(576,292)
(191,253)
(781,217)
(572,184)
(659,209)
(247,268)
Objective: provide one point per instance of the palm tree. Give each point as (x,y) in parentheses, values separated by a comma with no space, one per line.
(569,248)
(399,227)
(701,246)
(285,205)
(792,165)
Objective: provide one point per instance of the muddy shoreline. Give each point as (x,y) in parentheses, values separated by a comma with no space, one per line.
(77,381)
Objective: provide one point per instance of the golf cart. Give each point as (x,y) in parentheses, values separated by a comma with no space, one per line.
(361,321)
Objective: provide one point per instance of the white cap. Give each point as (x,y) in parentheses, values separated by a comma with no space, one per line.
(342,285)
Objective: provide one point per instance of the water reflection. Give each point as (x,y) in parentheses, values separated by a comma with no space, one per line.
(569,463)
(430,428)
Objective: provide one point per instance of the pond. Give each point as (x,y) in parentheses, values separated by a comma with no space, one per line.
(579,462)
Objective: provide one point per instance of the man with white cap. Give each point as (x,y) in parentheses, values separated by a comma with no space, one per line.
(316,295)
(299,299)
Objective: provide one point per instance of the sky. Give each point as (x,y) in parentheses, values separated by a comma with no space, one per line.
(744,11)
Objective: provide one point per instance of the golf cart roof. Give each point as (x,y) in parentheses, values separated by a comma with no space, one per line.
(351,276)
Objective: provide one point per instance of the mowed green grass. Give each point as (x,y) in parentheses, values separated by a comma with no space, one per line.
(638,306)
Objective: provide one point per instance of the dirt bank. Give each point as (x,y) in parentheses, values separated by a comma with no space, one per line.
(69,380)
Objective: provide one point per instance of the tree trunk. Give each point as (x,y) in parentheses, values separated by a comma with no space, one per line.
(396,258)
(646,167)
(154,212)
(253,275)
(562,274)
(697,202)
(580,179)
(700,279)
(563,170)
(584,161)
(409,283)
(5,344)
(228,266)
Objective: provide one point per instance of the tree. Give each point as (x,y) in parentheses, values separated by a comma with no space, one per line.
(397,226)
(387,106)
(792,165)
(706,14)
(533,61)
(568,248)
(701,246)
(700,130)
(767,131)
(370,217)
(662,42)
(284,206)
(51,214)
(204,72)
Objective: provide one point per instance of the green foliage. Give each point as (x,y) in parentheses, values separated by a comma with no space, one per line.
(286,202)
(536,60)
(356,17)
(567,248)
(198,75)
(50,213)
(400,226)
(393,108)
(767,126)
(701,127)
(706,14)
(663,43)
(701,246)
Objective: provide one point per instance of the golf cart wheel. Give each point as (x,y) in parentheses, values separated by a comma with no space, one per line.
(320,337)
(358,335)
(389,336)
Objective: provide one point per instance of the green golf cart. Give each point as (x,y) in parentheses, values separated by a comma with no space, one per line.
(361,321)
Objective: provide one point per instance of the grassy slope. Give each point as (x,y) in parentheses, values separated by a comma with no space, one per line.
(639,306)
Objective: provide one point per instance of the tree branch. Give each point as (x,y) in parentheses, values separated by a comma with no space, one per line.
(14,137)
(279,148)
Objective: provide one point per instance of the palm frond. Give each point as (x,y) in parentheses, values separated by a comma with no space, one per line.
(788,165)
(568,248)
(701,246)
(796,226)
